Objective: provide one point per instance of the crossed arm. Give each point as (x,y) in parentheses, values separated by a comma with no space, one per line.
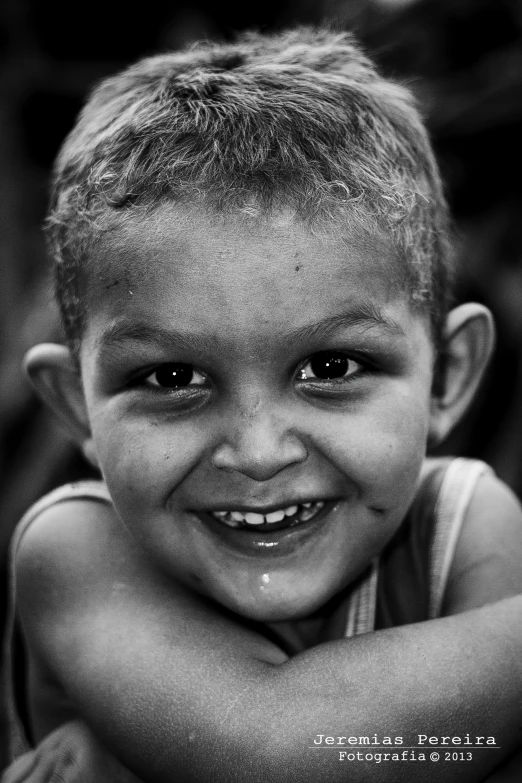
(177,690)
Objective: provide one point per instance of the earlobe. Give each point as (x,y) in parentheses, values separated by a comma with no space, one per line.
(55,377)
(469,339)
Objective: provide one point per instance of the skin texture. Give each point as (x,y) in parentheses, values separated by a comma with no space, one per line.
(248,434)
(150,617)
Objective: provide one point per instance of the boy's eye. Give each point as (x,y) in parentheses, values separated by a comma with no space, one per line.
(328,366)
(175,375)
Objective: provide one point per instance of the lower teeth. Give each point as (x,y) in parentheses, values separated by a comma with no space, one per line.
(308,513)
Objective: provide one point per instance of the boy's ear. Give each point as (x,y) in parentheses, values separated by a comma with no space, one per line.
(469,339)
(54,375)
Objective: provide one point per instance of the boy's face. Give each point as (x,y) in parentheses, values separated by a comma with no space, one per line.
(259,399)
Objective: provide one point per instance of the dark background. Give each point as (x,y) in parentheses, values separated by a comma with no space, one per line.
(462,58)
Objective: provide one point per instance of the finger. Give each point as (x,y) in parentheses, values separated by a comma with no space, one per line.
(20,770)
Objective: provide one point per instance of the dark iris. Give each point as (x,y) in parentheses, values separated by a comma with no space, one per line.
(328,366)
(173,375)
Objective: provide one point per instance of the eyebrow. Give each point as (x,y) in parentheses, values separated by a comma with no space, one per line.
(152,334)
(364,315)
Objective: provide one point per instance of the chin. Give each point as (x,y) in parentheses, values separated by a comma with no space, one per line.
(270,608)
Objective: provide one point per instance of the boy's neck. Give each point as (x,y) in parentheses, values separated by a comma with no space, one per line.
(327,624)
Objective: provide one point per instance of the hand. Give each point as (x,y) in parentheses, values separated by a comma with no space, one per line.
(71,754)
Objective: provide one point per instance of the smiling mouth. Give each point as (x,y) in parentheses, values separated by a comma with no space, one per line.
(273,520)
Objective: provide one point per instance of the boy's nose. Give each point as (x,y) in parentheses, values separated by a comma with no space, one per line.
(259,447)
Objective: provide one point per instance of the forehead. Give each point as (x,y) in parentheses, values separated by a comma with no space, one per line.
(223,271)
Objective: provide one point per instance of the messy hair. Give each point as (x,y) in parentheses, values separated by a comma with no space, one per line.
(300,119)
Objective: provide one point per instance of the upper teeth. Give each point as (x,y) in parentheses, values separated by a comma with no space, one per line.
(240,519)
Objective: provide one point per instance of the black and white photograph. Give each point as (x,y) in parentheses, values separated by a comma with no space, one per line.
(261,391)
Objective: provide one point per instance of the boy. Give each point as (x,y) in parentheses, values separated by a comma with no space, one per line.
(253,273)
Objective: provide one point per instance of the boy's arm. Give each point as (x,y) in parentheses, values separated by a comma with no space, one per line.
(69,754)
(179,690)
(487,565)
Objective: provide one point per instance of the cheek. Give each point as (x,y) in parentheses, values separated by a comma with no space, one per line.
(380,448)
(143,460)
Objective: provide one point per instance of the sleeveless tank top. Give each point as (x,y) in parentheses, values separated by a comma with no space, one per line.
(405,584)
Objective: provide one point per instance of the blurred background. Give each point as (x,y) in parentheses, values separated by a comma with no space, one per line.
(462,58)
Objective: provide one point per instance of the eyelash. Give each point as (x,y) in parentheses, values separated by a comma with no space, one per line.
(182,369)
(333,361)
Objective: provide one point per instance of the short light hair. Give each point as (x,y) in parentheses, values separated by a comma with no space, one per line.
(300,119)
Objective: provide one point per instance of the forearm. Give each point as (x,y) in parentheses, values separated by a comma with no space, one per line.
(449,678)
(255,721)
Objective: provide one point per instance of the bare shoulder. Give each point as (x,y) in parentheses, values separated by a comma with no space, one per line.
(486,567)
(70,564)
(66,545)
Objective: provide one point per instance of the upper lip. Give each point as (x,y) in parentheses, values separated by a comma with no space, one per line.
(265,509)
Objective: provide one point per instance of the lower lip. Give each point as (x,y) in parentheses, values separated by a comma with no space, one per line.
(266,542)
